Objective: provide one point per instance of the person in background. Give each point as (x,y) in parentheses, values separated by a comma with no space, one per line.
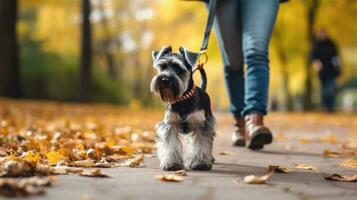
(326,62)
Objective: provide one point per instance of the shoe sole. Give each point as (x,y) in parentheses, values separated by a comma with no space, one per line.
(239,143)
(259,140)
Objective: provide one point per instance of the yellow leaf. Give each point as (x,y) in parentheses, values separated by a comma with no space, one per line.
(252,179)
(170,178)
(332,139)
(350,163)
(306,167)
(350,145)
(135,162)
(54,157)
(82,163)
(31,156)
(336,154)
(94,173)
(62,151)
(124,149)
(12,157)
(111,143)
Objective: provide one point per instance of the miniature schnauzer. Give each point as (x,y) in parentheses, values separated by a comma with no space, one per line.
(188,112)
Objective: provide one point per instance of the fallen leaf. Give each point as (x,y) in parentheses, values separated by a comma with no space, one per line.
(18,167)
(82,163)
(331,154)
(54,157)
(134,162)
(181,173)
(63,170)
(124,149)
(306,167)
(170,178)
(342,178)
(278,169)
(10,187)
(350,145)
(336,154)
(253,179)
(350,163)
(226,153)
(304,140)
(103,163)
(31,156)
(93,173)
(43,169)
(329,138)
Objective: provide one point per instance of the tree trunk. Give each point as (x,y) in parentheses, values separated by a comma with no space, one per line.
(86,54)
(311,18)
(9,64)
(108,55)
(288,104)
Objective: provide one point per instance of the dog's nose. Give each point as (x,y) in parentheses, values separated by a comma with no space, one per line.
(165,81)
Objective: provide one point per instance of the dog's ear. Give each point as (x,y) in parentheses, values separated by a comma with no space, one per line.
(190,57)
(157,54)
(154,55)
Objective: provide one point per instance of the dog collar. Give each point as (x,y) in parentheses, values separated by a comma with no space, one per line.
(188,94)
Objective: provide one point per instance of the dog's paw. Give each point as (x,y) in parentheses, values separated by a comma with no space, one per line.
(202,167)
(172,167)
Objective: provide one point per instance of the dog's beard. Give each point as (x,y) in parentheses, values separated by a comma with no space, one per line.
(167,95)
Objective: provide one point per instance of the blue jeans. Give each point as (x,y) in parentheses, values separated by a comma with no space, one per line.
(244,29)
(328,93)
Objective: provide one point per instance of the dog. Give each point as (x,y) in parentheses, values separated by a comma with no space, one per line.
(188,112)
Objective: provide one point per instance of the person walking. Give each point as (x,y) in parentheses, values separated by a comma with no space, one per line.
(244,29)
(326,63)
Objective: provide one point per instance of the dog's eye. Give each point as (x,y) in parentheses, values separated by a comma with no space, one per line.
(177,68)
(163,67)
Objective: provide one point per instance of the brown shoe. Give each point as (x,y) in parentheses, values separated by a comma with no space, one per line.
(238,136)
(257,135)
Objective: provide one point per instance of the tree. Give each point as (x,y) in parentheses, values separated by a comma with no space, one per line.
(106,46)
(86,53)
(9,64)
(311,19)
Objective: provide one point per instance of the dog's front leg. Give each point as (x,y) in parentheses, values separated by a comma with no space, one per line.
(199,152)
(169,147)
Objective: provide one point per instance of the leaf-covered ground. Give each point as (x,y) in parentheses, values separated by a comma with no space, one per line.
(40,140)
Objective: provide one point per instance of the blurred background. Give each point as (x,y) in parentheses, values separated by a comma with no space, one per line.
(100,50)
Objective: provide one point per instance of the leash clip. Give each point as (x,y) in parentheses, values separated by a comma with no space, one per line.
(202,60)
(203,54)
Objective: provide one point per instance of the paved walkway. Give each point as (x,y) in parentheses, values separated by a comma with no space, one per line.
(300,139)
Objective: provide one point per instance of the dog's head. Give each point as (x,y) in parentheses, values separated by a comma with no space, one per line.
(174,73)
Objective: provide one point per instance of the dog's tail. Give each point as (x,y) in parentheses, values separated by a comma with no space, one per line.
(203,78)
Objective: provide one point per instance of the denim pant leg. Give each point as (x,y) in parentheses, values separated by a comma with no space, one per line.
(328,93)
(228,31)
(258,19)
